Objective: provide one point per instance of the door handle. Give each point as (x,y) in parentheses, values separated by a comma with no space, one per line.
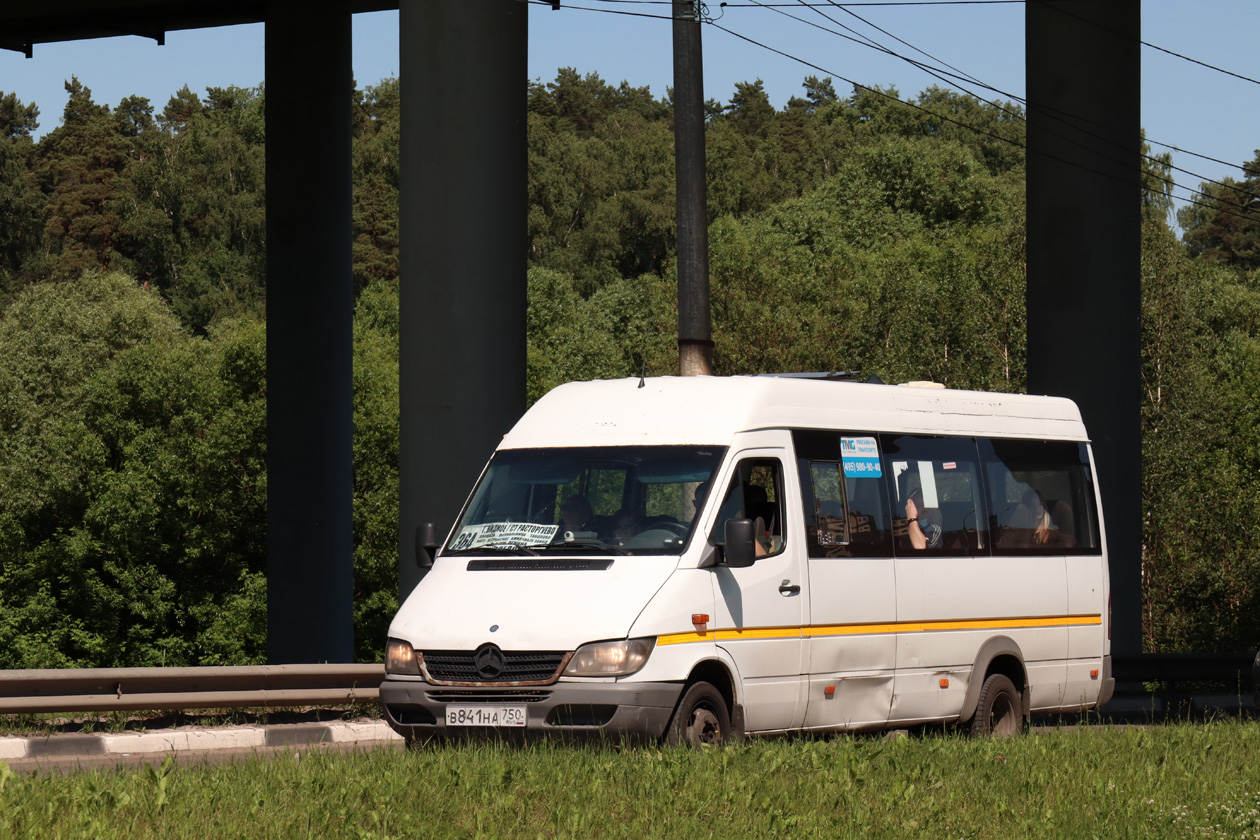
(789,588)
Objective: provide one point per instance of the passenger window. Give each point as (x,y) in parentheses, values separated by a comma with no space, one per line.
(846,508)
(756,493)
(1041,495)
(831,525)
(937,501)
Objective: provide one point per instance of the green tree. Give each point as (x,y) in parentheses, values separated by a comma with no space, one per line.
(375,468)
(79,164)
(1223,226)
(133,518)
(601,181)
(1201,451)
(1157,183)
(17,121)
(376,153)
(193,221)
(818,94)
(21,202)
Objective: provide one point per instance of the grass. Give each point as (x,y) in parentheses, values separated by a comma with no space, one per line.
(1174,781)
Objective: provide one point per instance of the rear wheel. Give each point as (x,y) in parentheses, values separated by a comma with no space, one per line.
(701,719)
(999,711)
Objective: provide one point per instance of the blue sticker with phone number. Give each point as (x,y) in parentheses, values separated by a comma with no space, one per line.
(860,457)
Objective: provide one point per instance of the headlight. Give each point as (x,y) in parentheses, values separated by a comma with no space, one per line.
(401,658)
(610,659)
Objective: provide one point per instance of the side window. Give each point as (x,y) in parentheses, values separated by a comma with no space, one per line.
(756,493)
(831,525)
(1041,494)
(937,500)
(846,507)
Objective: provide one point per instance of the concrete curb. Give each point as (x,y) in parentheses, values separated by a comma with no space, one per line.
(13,748)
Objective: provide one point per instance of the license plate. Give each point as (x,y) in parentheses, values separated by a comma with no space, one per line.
(485,715)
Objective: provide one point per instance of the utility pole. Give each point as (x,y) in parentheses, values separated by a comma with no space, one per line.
(695,335)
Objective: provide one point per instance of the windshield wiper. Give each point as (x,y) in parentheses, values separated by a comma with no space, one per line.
(584,545)
(508,548)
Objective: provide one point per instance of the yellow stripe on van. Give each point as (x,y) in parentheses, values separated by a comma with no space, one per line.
(965,624)
(683,638)
(760,633)
(814,631)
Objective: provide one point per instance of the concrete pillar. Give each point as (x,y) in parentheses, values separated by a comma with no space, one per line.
(462,214)
(310,300)
(1084,255)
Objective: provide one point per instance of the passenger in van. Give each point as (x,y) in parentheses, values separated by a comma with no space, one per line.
(701,493)
(1030,525)
(1032,516)
(735,506)
(765,514)
(923,529)
(576,513)
(625,524)
(1063,523)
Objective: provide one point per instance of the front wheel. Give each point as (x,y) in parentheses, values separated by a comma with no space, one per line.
(999,711)
(701,718)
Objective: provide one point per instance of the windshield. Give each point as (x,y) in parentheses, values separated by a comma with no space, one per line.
(603,499)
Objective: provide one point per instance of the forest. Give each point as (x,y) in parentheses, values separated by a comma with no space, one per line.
(132,331)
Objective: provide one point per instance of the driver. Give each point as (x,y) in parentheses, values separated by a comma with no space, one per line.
(576,513)
(625,524)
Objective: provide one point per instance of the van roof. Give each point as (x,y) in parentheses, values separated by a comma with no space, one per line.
(712,409)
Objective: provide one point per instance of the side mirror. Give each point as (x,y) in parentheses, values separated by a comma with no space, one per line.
(426,545)
(739,550)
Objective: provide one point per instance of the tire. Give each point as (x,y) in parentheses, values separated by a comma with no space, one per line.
(701,718)
(999,710)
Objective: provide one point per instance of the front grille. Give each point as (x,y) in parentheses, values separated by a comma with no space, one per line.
(458,666)
(488,696)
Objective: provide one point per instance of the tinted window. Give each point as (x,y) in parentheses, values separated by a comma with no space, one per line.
(756,493)
(936,496)
(846,510)
(1041,495)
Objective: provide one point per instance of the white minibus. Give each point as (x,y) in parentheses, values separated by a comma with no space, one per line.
(696,559)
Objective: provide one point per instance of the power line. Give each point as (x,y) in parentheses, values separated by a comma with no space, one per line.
(936,72)
(905,3)
(939,74)
(849,11)
(866,41)
(1064,11)
(980,131)
(590,9)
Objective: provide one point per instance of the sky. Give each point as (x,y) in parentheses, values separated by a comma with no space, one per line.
(1183,104)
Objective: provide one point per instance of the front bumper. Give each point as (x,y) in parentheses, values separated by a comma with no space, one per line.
(610,711)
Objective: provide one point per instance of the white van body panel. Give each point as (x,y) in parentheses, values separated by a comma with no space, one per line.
(962,590)
(849,646)
(704,409)
(460,607)
(794,641)
(772,661)
(688,592)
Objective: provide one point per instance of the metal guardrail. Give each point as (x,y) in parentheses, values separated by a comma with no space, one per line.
(134,689)
(1172,668)
(270,686)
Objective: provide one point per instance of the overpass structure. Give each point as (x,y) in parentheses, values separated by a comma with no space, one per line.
(462,262)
